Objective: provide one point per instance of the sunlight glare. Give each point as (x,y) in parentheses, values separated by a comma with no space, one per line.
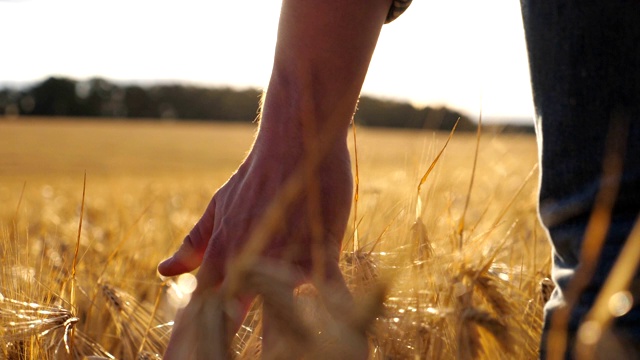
(459,53)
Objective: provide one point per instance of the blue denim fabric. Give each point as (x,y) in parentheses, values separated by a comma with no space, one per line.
(585,72)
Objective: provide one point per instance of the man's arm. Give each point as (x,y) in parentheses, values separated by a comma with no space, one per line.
(322,55)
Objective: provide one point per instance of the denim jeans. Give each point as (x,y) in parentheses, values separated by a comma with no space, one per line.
(584,59)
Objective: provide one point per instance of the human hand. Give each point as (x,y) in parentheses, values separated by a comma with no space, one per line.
(284,207)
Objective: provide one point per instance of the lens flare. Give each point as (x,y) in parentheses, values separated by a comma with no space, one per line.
(620,303)
(589,333)
(179,292)
(187,283)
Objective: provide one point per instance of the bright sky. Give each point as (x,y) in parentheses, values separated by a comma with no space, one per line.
(466,54)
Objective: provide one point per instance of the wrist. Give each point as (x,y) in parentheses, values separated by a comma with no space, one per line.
(287,137)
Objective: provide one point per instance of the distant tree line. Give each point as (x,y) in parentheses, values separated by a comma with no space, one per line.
(387,113)
(100,98)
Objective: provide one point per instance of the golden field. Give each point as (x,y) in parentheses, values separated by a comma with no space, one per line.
(92,290)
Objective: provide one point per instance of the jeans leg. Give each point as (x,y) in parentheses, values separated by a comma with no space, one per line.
(584,58)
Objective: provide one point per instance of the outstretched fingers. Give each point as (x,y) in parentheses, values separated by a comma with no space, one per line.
(190,254)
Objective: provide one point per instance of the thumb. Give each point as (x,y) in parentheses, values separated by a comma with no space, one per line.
(189,255)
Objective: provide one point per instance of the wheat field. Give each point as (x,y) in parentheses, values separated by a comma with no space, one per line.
(436,278)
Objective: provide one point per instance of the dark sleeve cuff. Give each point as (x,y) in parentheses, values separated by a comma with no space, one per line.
(397,8)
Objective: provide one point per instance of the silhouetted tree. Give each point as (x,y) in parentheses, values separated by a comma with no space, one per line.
(386,113)
(139,104)
(14,102)
(441,118)
(55,96)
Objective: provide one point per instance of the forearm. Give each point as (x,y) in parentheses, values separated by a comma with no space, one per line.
(323,51)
